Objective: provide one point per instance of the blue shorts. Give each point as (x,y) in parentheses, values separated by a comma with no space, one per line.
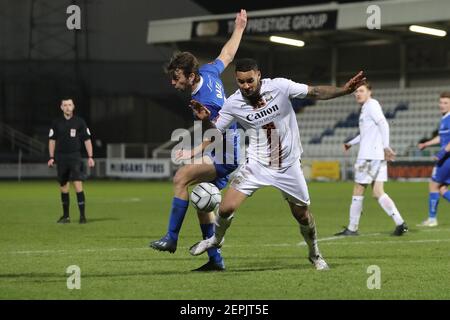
(441,172)
(223,174)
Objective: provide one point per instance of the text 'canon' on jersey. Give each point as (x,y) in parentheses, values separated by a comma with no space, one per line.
(274,123)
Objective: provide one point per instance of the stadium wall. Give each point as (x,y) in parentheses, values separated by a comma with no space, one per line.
(317,169)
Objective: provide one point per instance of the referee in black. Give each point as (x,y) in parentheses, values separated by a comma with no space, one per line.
(66,136)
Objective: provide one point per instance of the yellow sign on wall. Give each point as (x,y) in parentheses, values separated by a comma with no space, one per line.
(325,170)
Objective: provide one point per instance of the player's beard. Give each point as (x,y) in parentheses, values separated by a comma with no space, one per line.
(187,88)
(253,97)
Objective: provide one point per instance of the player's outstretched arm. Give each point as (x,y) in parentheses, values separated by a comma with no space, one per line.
(330,92)
(230,48)
(431,142)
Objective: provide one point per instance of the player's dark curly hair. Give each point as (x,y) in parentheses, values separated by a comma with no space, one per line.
(184,61)
(246,64)
(445,94)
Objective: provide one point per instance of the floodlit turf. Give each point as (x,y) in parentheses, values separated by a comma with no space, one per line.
(262,252)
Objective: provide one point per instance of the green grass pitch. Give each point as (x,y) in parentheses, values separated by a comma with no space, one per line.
(262,253)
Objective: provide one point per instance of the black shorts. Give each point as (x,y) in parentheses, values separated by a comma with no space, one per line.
(70,170)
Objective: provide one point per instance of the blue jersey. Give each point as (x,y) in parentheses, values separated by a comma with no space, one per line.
(210,93)
(444,130)
(441,172)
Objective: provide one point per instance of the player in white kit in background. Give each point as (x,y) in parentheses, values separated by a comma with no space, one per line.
(371,163)
(264,110)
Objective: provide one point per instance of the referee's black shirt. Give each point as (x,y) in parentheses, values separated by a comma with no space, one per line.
(69,135)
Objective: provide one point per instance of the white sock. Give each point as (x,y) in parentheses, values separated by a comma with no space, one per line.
(355,212)
(389,207)
(222,225)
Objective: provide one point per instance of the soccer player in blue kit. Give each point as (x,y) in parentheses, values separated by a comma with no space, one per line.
(204,83)
(440,178)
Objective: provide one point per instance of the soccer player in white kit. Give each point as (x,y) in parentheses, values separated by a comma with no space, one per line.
(371,163)
(264,109)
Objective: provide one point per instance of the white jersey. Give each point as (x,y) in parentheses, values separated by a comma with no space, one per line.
(371,143)
(274,138)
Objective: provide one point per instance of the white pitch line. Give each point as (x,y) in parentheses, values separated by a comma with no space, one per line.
(303,243)
(389,242)
(434,230)
(329,241)
(72,251)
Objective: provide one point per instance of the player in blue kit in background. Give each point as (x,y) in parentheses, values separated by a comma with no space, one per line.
(440,178)
(206,87)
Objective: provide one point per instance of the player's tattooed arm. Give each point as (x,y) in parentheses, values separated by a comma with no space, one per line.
(330,92)
(325,92)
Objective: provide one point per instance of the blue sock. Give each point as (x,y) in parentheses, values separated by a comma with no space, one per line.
(447,195)
(208,232)
(433,204)
(179,208)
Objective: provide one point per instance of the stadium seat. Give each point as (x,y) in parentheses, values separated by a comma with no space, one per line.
(412,114)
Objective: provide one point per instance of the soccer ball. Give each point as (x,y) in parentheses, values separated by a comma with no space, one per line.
(205,197)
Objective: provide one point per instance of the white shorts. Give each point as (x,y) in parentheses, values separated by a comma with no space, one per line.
(252,176)
(368,171)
